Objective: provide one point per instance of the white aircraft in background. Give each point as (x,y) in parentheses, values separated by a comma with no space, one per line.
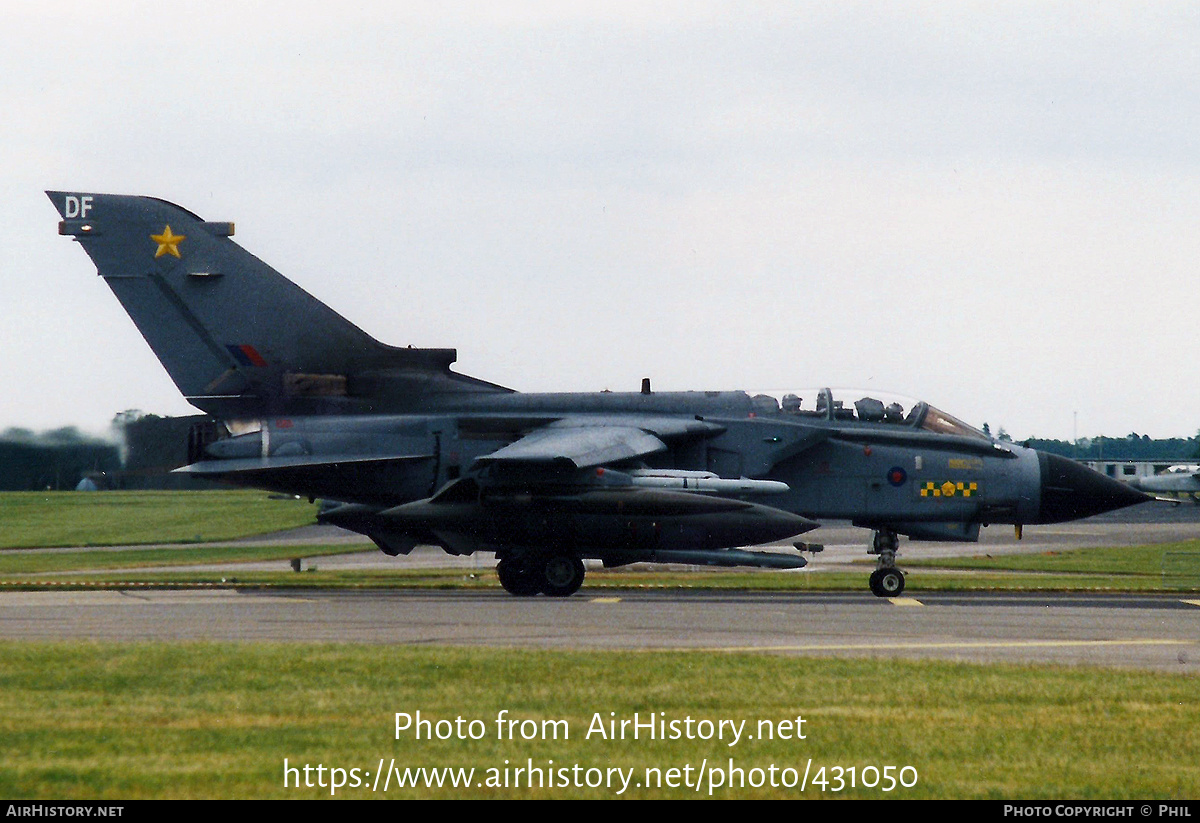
(1181,479)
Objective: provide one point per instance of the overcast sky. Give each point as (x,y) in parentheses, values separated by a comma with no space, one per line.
(991,206)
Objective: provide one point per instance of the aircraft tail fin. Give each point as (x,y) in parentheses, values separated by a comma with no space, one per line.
(237,337)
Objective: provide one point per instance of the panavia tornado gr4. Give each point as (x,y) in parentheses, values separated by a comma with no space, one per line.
(306,403)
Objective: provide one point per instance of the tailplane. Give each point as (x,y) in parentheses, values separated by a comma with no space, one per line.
(238,338)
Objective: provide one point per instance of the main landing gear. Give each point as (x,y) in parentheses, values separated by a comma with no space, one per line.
(886,580)
(554,575)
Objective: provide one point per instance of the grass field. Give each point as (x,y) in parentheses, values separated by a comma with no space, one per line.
(203,720)
(36,563)
(35,519)
(1110,560)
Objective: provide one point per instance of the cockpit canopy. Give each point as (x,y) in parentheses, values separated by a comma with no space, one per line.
(857,406)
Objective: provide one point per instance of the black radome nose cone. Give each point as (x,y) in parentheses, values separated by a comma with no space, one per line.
(1071,491)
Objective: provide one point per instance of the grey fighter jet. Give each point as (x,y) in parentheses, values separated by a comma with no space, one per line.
(304,402)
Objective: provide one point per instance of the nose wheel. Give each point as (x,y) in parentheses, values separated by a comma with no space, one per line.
(887,580)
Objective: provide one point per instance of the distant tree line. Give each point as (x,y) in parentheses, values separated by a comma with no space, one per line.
(54,460)
(1133,446)
(141,453)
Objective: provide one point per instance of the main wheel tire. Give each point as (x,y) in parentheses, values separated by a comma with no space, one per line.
(561,575)
(518,579)
(887,582)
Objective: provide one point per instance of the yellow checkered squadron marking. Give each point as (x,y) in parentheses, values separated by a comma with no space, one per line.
(948,488)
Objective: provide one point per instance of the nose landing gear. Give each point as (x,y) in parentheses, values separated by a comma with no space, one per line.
(886,580)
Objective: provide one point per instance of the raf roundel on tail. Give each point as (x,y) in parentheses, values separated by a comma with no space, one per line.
(304,402)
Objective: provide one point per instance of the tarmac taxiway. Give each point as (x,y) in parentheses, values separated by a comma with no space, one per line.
(1159,632)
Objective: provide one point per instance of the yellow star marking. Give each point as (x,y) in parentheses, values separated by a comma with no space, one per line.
(949,488)
(168,243)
